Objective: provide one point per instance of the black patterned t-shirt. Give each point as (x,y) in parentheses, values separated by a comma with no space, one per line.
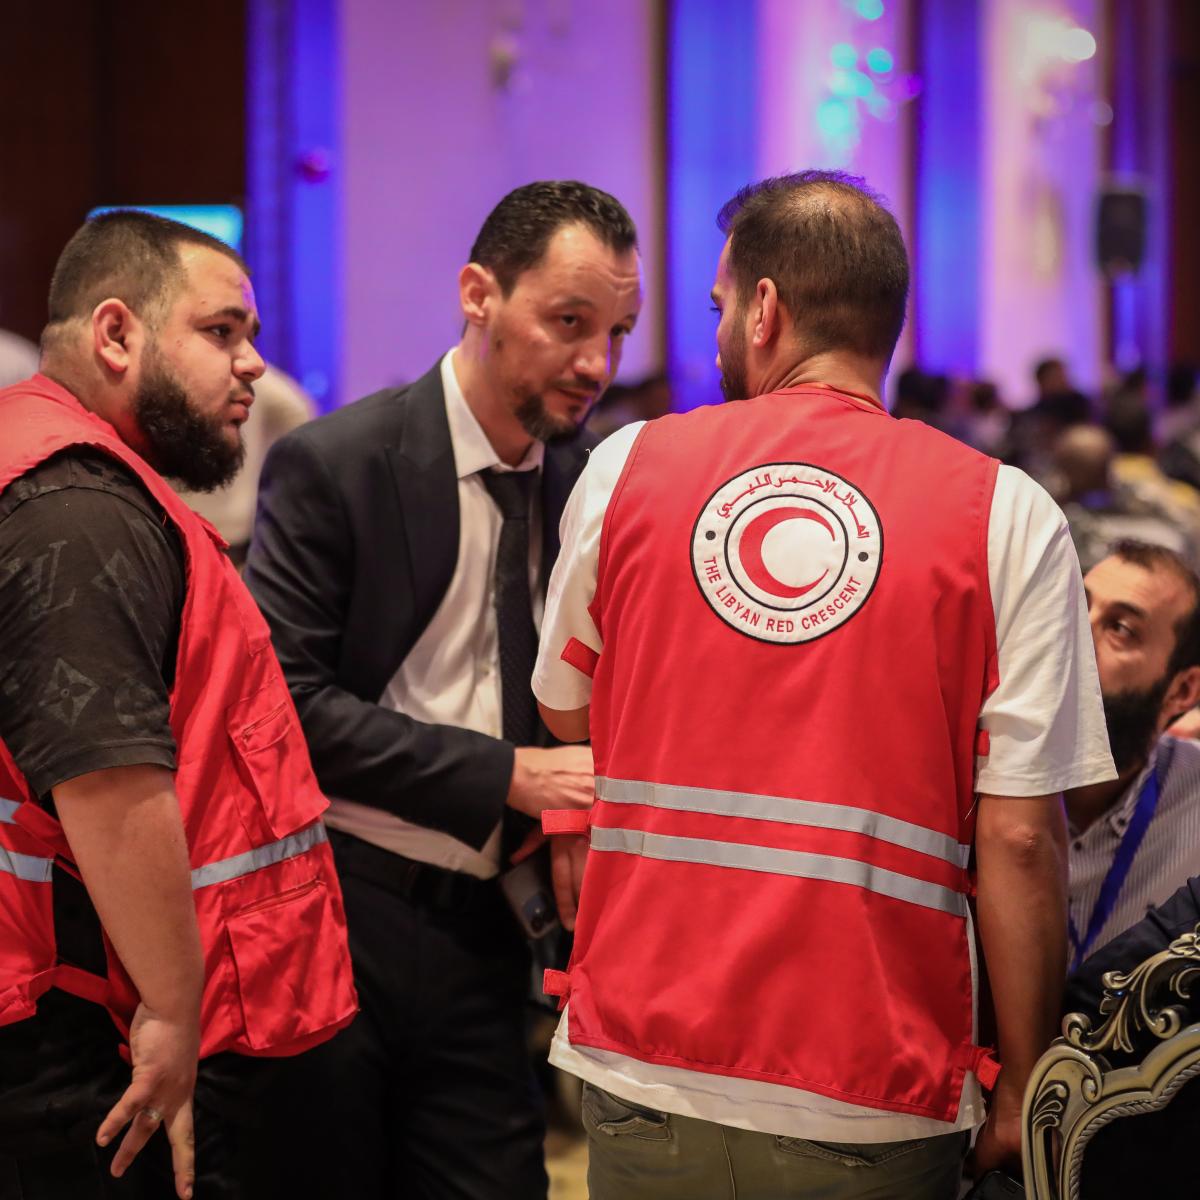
(91,595)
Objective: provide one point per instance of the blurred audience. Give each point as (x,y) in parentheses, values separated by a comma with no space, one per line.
(1100,509)
(623,404)
(1050,379)
(988,422)
(1179,427)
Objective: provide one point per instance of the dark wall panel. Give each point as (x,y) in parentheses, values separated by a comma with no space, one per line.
(1185,182)
(141,101)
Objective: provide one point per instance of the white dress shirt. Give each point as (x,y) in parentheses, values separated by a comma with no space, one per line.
(1045,721)
(451,676)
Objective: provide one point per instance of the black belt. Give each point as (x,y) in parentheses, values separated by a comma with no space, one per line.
(421,883)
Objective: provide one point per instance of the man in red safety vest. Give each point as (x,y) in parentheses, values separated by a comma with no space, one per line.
(165,877)
(825,658)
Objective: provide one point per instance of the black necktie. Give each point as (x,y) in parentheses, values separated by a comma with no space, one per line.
(514,604)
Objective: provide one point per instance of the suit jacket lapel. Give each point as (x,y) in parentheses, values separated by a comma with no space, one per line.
(422,462)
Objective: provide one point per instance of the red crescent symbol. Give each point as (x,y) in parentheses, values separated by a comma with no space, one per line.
(752,543)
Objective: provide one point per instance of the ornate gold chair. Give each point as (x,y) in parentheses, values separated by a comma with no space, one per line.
(1074,1091)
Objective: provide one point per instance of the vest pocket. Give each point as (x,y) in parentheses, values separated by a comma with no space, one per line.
(267,740)
(289,958)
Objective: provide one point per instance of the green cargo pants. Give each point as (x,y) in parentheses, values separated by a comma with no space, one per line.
(637,1153)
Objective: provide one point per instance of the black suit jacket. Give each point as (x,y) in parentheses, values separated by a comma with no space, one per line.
(354,546)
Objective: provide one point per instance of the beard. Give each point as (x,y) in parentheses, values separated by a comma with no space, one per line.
(181,442)
(1132,720)
(541,424)
(733,363)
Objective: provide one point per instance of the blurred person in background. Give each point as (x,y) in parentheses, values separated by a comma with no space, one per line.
(1100,509)
(987,423)
(921,396)
(1179,427)
(1128,418)
(1057,406)
(280,405)
(1050,378)
(622,404)
(400,555)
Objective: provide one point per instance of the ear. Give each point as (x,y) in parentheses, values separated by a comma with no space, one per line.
(765,314)
(1182,694)
(115,334)
(477,293)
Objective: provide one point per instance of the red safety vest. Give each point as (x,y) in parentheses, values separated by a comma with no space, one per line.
(798,635)
(272,927)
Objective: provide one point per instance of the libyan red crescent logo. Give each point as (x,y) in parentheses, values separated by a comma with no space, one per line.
(787,552)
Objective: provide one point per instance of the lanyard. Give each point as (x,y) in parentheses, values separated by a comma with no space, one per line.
(1110,889)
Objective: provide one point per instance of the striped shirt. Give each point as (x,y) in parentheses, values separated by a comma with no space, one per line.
(1168,856)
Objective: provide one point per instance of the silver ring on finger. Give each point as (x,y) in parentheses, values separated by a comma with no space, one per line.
(153,1115)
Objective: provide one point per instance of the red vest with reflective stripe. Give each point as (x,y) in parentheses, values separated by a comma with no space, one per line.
(797,633)
(277,966)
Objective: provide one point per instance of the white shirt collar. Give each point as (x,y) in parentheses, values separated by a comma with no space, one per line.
(472,450)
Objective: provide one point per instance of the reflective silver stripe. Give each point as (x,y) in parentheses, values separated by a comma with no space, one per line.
(787,810)
(258,859)
(26,867)
(780,862)
(8,810)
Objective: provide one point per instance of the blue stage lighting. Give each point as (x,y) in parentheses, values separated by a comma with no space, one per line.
(880,61)
(222,221)
(835,119)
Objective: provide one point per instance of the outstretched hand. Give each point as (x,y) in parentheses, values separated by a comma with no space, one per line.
(164,1054)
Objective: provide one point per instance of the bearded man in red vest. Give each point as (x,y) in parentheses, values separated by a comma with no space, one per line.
(164,874)
(834,667)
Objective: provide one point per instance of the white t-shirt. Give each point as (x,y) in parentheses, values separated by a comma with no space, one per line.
(1045,721)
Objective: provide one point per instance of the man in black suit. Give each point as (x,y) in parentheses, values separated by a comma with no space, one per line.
(399,557)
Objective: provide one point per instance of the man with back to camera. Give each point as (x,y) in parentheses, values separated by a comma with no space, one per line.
(398,556)
(1136,838)
(147,744)
(775,619)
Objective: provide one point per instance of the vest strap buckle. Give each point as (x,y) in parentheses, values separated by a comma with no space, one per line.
(556,983)
(566,820)
(983,1062)
(582,658)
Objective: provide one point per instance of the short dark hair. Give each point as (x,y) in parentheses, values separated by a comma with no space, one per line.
(1187,628)
(834,252)
(1128,419)
(1181,384)
(515,235)
(127,254)
(1045,367)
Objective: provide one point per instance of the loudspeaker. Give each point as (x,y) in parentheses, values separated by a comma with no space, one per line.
(1120,231)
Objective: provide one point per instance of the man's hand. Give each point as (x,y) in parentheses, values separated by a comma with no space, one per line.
(998,1146)
(126,832)
(560,777)
(1021,851)
(164,1054)
(568,857)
